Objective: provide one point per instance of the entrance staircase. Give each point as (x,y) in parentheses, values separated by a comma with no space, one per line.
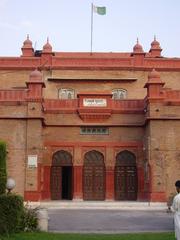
(122,205)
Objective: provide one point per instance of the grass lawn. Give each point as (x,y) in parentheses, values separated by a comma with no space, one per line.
(59,236)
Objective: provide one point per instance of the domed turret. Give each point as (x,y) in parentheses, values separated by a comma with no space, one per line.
(154,85)
(155,49)
(155,44)
(47,48)
(27,49)
(35,85)
(35,76)
(153,76)
(138,48)
(27,43)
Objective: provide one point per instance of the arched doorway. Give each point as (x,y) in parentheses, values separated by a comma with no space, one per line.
(61,176)
(94,176)
(125,176)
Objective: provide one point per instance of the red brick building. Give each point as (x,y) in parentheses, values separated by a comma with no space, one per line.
(101,126)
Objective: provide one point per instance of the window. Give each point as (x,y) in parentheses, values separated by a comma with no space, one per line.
(66,93)
(119,93)
(94,130)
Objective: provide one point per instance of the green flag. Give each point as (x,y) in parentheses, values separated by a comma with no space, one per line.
(99,10)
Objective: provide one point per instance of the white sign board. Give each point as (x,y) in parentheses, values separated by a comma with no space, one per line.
(32,161)
(94,102)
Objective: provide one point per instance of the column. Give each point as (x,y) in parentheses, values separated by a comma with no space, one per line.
(78,191)
(109,183)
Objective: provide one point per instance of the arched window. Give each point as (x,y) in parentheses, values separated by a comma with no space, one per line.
(62,158)
(119,93)
(65,93)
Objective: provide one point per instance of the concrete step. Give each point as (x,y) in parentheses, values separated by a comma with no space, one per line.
(120,205)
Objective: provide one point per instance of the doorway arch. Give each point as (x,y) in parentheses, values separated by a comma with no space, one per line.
(94,176)
(125,176)
(61,176)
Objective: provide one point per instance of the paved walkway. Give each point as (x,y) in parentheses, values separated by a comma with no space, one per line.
(109,221)
(118,205)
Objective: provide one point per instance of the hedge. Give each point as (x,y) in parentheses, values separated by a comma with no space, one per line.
(11,212)
(3,173)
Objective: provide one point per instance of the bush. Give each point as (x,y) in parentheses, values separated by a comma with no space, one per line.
(29,220)
(11,212)
(15,217)
(3,174)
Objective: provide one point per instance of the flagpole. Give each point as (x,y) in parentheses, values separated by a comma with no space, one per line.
(91,27)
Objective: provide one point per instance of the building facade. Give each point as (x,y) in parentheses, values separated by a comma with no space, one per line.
(91,126)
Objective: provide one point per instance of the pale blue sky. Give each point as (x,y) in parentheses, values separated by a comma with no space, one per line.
(67,24)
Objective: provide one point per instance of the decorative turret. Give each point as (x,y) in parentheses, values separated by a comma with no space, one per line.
(154,85)
(35,76)
(27,49)
(138,48)
(155,48)
(46,56)
(47,48)
(138,54)
(35,85)
(154,76)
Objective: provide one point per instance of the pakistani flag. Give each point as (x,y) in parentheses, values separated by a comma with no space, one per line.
(99,10)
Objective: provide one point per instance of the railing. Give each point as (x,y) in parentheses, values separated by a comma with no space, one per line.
(85,60)
(12,95)
(66,104)
(59,104)
(128,104)
(159,63)
(172,94)
(18,62)
(88,62)
(63,104)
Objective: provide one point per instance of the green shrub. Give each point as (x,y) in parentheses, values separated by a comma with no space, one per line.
(11,212)
(3,174)
(29,220)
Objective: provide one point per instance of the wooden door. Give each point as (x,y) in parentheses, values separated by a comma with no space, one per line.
(99,183)
(56,182)
(120,183)
(61,159)
(94,176)
(125,176)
